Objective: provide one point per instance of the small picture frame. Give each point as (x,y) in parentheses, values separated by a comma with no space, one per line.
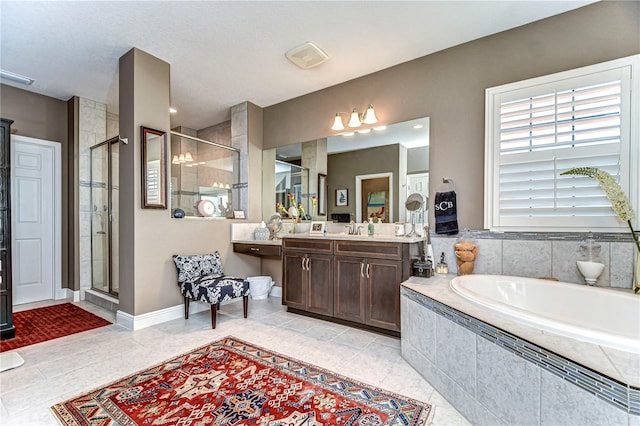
(238,214)
(317,227)
(342,198)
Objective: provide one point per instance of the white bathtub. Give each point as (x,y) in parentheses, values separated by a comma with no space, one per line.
(596,315)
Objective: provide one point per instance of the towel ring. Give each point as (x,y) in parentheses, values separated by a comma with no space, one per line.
(451,186)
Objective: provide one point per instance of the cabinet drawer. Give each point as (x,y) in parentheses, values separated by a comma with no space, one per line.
(308,245)
(258,249)
(372,249)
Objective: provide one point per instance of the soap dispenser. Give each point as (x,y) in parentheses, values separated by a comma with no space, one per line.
(442,267)
(370,227)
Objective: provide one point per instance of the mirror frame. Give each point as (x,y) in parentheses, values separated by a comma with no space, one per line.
(161,202)
(322,194)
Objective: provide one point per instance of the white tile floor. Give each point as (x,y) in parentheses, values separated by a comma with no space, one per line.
(60,369)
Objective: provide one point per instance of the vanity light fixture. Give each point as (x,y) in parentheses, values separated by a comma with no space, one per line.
(355,119)
(175,160)
(183,158)
(16,78)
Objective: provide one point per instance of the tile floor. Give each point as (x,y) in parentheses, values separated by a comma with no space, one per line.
(63,368)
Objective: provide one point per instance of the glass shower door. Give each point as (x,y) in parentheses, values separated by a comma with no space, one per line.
(104,202)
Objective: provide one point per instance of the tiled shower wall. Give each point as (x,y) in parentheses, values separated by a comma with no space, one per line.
(543,255)
(95,125)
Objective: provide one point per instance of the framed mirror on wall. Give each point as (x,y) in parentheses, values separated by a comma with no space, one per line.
(322,194)
(154,168)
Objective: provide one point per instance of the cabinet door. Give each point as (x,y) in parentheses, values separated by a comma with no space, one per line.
(294,281)
(383,293)
(320,285)
(349,303)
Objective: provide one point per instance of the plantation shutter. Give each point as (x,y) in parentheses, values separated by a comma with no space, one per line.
(546,129)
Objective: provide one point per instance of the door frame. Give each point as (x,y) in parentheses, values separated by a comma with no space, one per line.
(359,180)
(57,291)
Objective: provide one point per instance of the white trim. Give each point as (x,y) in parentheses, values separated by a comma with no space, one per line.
(100,295)
(57,290)
(137,322)
(276,292)
(491,186)
(359,180)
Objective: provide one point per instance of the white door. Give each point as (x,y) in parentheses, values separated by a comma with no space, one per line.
(419,183)
(34,212)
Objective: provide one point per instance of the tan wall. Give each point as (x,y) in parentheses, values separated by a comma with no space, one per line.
(149,237)
(449,87)
(43,117)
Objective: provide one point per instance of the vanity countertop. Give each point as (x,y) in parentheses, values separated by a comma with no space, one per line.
(381,238)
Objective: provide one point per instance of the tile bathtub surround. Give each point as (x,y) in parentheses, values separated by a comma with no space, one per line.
(544,254)
(516,380)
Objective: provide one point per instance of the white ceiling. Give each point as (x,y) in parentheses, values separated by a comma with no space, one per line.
(223,53)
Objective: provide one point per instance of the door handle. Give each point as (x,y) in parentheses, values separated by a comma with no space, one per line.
(368,270)
(362,269)
(302,263)
(308,263)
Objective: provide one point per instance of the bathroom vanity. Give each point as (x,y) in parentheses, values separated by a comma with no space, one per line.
(354,280)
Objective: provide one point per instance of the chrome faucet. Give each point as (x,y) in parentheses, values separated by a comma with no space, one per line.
(352,228)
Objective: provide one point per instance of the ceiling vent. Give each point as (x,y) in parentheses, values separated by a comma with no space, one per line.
(307,55)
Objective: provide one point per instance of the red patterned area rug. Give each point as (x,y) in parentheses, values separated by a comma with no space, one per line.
(231,382)
(50,322)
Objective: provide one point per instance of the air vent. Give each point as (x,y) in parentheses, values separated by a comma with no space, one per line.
(307,55)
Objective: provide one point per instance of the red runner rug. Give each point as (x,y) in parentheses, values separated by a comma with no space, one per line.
(231,382)
(50,322)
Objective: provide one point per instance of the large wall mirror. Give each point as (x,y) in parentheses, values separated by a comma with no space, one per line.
(154,168)
(400,151)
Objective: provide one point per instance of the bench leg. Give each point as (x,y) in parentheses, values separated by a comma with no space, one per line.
(245,304)
(186,307)
(214,314)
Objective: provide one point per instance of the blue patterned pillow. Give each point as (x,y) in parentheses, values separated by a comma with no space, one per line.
(192,267)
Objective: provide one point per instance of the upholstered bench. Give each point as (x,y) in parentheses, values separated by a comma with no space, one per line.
(201,278)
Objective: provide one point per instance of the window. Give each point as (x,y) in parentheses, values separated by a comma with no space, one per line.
(538,128)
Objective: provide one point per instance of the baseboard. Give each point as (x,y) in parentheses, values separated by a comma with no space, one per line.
(138,322)
(275,292)
(67,293)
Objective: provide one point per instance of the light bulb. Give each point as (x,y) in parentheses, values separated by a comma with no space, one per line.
(337,123)
(354,121)
(370,116)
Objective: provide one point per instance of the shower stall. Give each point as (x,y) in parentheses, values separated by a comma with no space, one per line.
(104,216)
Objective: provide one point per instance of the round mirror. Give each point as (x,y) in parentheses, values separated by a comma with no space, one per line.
(274,225)
(414,202)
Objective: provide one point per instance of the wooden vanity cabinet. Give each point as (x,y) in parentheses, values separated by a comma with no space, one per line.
(356,281)
(367,289)
(308,275)
(258,249)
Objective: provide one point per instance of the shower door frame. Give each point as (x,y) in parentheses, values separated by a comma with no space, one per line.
(109,256)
